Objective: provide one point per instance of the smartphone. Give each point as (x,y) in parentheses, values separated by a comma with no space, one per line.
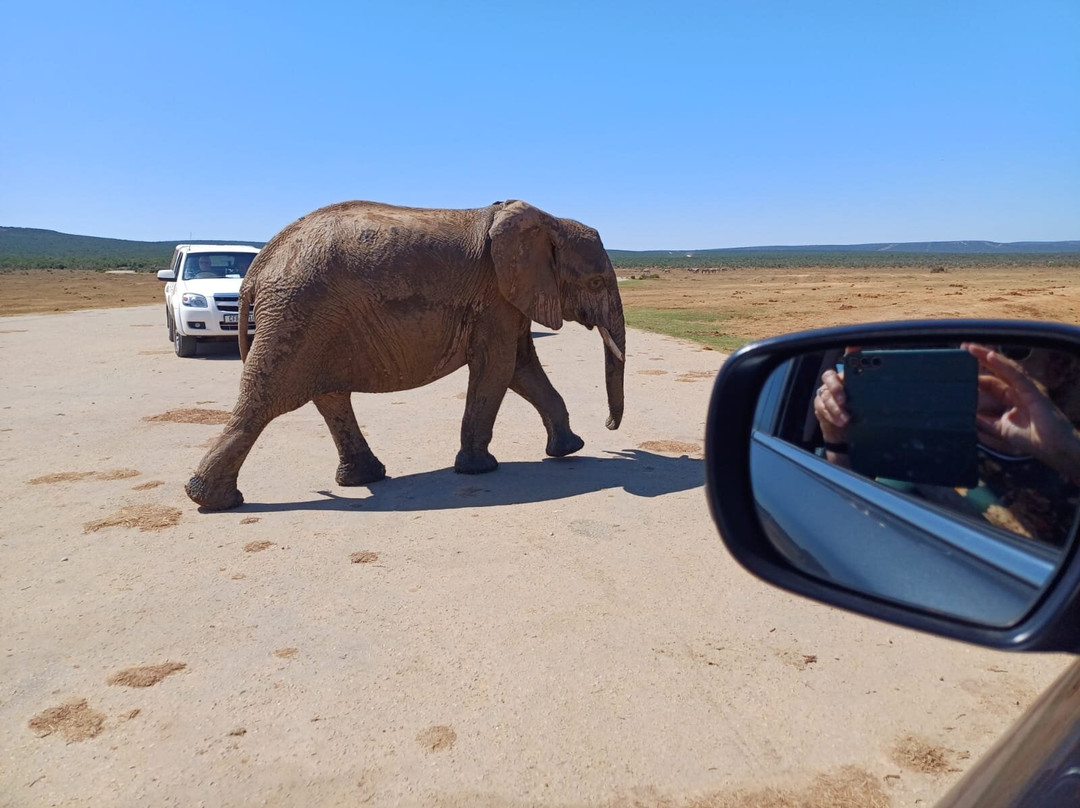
(913,415)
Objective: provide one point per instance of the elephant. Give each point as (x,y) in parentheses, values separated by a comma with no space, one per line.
(368,297)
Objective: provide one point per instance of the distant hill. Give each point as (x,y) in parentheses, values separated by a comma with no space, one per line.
(949,247)
(913,253)
(31,248)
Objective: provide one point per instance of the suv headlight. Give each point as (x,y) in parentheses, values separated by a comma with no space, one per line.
(193,300)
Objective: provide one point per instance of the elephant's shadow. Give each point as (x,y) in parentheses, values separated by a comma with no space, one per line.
(640,473)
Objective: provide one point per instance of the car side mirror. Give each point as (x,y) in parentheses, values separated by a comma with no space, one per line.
(923,473)
(166,275)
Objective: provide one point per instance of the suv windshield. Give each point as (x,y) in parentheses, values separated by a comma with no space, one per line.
(217,265)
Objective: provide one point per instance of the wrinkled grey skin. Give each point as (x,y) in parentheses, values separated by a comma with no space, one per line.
(373,298)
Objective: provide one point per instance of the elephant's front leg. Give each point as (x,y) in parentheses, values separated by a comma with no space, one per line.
(532,384)
(358,465)
(490,371)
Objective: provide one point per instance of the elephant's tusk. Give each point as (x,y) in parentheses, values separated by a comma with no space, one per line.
(611,344)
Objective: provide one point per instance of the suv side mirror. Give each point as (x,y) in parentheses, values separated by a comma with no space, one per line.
(933,483)
(166,275)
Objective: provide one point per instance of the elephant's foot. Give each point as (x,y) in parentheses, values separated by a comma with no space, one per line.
(562,445)
(360,471)
(475,462)
(211,499)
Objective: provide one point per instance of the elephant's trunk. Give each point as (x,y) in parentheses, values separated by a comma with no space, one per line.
(614,365)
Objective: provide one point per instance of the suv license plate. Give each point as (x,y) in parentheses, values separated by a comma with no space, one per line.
(233,319)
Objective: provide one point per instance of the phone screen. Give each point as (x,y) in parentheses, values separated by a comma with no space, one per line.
(913,415)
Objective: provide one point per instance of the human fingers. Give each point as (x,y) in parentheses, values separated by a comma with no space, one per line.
(978,350)
(988,426)
(829,409)
(833,384)
(830,431)
(993,394)
(1004,368)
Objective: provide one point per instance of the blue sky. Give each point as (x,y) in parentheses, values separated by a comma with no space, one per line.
(664,125)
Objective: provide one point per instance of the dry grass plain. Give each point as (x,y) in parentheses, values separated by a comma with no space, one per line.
(721,309)
(42,291)
(725,309)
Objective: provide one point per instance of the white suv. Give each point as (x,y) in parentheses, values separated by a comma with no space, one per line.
(202,290)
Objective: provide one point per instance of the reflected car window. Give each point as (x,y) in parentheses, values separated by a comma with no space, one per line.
(979,441)
(987,436)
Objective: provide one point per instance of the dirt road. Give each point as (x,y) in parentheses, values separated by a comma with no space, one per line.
(561,632)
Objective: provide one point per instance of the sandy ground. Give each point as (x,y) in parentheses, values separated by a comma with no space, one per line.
(559,633)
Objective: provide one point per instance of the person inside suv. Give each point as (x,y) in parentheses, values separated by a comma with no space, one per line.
(202,268)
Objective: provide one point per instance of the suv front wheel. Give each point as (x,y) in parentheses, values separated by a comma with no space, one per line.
(184,346)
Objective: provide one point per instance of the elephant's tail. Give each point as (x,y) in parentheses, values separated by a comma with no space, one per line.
(248,293)
(242,324)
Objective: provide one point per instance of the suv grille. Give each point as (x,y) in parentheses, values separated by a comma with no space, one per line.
(230,303)
(227,302)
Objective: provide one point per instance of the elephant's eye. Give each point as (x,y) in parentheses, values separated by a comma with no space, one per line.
(596,284)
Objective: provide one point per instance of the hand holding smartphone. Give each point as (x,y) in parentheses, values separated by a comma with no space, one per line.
(913,415)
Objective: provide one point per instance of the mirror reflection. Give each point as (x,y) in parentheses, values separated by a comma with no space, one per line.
(945,477)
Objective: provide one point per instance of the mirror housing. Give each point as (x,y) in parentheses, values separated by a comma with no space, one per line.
(166,275)
(1050,623)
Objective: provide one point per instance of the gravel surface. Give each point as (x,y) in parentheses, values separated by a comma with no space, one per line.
(560,632)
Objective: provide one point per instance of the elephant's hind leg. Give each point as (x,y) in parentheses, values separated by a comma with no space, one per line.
(213,485)
(358,465)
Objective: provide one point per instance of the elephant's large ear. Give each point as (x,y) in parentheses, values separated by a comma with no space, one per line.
(523,250)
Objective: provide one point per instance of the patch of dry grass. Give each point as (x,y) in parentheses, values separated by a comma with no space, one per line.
(75,720)
(117,474)
(144,517)
(76,476)
(145,675)
(920,755)
(437,739)
(191,415)
(670,446)
(848,787)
